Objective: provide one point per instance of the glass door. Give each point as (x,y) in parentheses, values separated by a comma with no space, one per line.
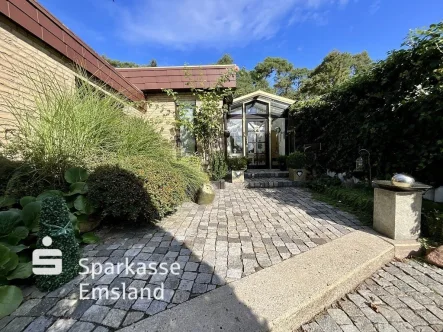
(257,143)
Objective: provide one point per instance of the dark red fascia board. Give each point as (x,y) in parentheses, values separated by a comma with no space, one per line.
(34,18)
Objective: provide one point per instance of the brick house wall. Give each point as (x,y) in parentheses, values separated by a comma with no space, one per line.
(22,54)
(33,41)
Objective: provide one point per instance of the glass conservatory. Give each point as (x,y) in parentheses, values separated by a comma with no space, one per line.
(257,125)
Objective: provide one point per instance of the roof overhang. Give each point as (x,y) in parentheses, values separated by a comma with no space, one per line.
(153,79)
(266,95)
(38,21)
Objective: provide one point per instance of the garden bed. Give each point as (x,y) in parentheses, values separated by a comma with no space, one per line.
(359,200)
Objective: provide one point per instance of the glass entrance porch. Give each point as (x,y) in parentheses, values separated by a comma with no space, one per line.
(257,126)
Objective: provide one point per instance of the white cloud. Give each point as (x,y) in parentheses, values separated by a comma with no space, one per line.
(215,23)
(375,6)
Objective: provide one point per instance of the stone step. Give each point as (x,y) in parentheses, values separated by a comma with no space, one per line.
(259,174)
(269,183)
(282,297)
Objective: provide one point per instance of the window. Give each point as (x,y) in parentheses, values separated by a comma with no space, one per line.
(187,141)
(278,139)
(256,108)
(235,140)
(236,110)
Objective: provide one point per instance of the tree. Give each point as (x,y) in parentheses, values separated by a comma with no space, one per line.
(287,84)
(126,64)
(287,78)
(247,82)
(226,59)
(361,63)
(335,69)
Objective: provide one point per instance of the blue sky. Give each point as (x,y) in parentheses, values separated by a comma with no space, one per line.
(178,32)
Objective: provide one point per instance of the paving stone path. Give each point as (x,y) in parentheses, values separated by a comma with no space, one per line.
(243,231)
(402,296)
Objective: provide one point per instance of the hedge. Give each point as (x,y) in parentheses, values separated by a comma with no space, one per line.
(395,111)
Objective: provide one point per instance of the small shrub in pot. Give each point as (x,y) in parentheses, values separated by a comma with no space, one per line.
(238,163)
(296,162)
(238,166)
(219,167)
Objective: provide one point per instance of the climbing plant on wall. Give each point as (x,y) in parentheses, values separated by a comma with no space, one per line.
(206,122)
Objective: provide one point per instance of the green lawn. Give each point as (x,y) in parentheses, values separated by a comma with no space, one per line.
(363,215)
(359,201)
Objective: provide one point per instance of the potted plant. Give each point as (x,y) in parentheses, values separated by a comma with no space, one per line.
(219,169)
(282,162)
(238,166)
(296,163)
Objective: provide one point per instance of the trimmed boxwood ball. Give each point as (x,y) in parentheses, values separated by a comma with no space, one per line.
(55,223)
(165,186)
(238,163)
(119,194)
(296,160)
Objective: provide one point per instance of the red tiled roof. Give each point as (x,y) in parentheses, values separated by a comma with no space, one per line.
(37,20)
(184,77)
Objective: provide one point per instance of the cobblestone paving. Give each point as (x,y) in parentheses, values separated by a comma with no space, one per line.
(402,296)
(243,231)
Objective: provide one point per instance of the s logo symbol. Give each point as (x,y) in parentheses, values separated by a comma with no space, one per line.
(53,266)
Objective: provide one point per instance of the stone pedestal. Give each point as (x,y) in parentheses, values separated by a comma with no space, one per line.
(297,174)
(238,176)
(397,214)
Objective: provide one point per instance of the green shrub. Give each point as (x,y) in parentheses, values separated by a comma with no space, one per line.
(238,163)
(74,125)
(119,194)
(219,167)
(191,171)
(69,125)
(31,181)
(165,186)
(321,183)
(296,160)
(16,236)
(432,220)
(138,137)
(385,111)
(7,168)
(55,223)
